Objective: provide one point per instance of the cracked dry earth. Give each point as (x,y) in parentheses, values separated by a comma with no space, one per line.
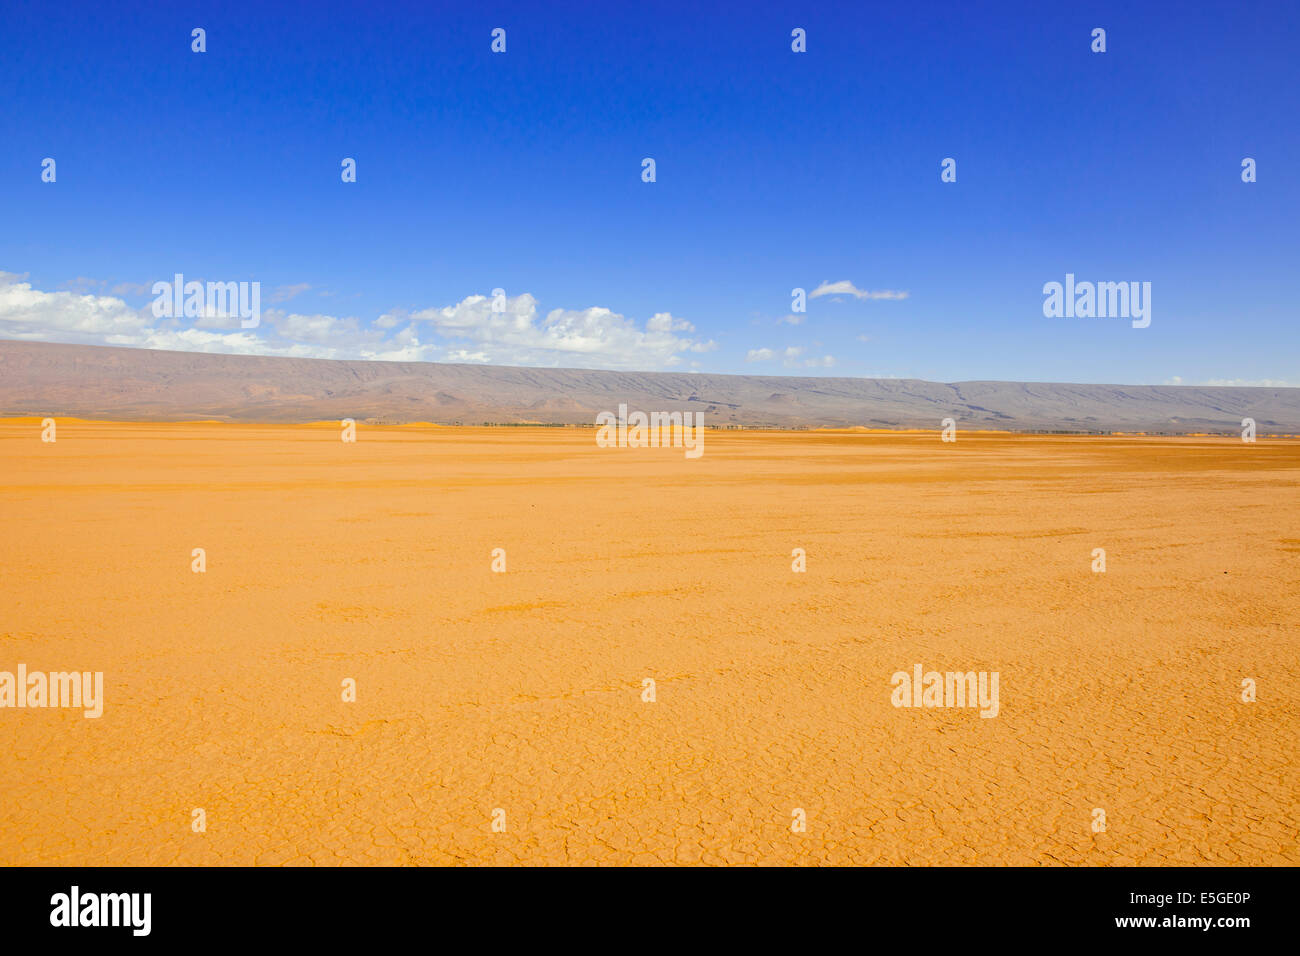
(522,691)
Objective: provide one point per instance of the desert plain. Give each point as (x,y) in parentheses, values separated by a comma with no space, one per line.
(519,696)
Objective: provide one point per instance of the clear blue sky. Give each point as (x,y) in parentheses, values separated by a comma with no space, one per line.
(775,170)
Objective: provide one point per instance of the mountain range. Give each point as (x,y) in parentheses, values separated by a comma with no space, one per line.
(101,382)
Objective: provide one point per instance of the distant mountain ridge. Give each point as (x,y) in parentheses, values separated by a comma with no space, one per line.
(92,381)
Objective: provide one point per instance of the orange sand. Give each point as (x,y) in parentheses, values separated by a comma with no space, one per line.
(522,691)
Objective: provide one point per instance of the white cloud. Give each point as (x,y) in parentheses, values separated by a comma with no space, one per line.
(591,338)
(1234,382)
(663,322)
(791,357)
(320,329)
(27,313)
(33,315)
(845,287)
(1251,383)
(197,340)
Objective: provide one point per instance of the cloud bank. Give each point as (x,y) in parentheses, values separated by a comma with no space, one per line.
(471,330)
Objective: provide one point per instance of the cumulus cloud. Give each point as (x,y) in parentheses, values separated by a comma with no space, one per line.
(663,322)
(27,313)
(320,329)
(760,355)
(472,332)
(845,287)
(518,334)
(87,319)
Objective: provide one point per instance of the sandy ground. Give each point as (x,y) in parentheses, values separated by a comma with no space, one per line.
(522,691)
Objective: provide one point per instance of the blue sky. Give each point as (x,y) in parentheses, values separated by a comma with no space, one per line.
(775,170)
